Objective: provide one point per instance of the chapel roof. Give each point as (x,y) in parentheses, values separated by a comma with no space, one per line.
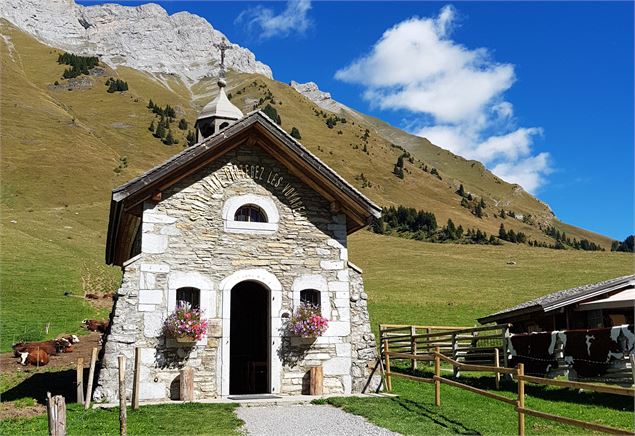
(255,128)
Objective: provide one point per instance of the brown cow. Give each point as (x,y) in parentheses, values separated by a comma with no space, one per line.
(96,326)
(36,357)
(50,347)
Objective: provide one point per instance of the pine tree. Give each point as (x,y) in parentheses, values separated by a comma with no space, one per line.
(150,104)
(183,124)
(295,133)
(169,139)
(191,138)
(502,213)
(502,234)
(461,191)
(160,132)
(482,204)
(152,127)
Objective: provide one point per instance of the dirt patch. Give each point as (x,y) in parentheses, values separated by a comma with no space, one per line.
(22,383)
(83,348)
(13,410)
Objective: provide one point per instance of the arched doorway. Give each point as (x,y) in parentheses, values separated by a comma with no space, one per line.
(249,362)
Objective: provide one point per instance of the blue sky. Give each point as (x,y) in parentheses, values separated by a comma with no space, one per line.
(540,92)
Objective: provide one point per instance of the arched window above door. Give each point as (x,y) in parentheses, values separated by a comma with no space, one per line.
(250,213)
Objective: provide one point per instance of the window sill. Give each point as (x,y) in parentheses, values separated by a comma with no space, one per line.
(249,227)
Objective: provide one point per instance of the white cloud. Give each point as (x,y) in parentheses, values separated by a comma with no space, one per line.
(267,24)
(529,172)
(416,66)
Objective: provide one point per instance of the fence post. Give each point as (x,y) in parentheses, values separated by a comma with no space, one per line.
(91,375)
(455,369)
(122,395)
(505,345)
(79,380)
(316,384)
(387,369)
(186,388)
(136,377)
(632,359)
(520,372)
(56,409)
(497,365)
(437,376)
(413,346)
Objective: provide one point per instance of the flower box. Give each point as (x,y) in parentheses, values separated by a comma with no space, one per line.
(185,325)
(307,322)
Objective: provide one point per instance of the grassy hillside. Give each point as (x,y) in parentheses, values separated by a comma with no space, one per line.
(412,282)
(63,151)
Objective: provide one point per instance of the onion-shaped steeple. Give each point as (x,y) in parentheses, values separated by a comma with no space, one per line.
(220,112)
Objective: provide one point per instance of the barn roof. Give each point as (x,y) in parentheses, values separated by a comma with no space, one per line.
(559,299)
(255,128)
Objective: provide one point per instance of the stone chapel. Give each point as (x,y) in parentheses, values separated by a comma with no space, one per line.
(246,225)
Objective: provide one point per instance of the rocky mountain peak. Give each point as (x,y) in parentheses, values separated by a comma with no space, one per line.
(144,37)
(323,99)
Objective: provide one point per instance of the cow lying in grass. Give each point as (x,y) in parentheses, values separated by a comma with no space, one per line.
(96,326)
(37,357)
(54,346)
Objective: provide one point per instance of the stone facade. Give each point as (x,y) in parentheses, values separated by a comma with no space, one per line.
(189,239)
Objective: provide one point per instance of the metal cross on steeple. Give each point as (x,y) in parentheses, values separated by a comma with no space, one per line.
(223,46)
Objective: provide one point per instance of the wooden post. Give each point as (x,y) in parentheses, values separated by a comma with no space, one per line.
(413,346)
(316,386)
(521,399)
(136,377)
(497,365)
(122,395)
(387,367)
(437,376)
(79,380)
(505,345)
(56,409)
(632,359)
(91,376)
(455,369)
(187,384)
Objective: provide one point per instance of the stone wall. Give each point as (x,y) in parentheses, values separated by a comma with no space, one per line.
(188,240)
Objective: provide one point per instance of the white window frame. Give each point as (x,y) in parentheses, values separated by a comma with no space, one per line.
(317,283)
(265,203)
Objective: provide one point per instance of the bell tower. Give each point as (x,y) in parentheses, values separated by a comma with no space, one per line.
(220,112)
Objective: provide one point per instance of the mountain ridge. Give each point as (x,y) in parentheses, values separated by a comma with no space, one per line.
(144,37)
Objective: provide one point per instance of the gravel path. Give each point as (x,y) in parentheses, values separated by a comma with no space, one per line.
(305,419)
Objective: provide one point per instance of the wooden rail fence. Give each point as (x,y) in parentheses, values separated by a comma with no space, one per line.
(476,345)
(518,373)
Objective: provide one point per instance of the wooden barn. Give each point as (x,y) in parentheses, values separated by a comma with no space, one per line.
(605,304)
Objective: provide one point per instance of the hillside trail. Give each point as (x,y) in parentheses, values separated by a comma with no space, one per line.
(305,419)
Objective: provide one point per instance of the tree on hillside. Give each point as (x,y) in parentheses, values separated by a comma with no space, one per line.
(150,104)
(152,127)
(191,138)
(160,132)
(502,234)
(461,191)
(295,133)
(626,245)
(169,139)
(272,113)
(183,124)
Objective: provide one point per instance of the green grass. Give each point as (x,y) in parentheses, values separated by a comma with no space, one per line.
(462,412)
(413,282)
(192,418)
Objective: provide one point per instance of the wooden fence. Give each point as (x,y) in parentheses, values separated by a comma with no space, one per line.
(518,373)
(475,345)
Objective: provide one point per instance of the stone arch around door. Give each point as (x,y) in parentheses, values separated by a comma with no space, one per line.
(271,282)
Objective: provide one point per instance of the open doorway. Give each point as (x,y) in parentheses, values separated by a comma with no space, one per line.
(249,368)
